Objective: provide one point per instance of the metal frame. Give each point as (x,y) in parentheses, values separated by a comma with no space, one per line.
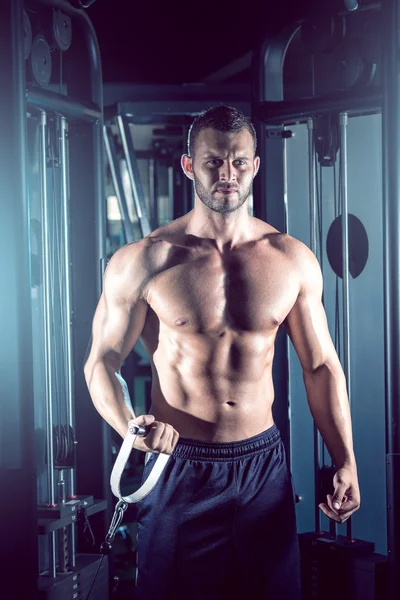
(391,220)
(17,466)
(17,461)
(275,112)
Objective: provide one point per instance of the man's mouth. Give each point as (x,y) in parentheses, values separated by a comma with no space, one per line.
(227,190)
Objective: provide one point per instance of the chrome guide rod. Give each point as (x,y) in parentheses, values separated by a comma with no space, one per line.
(343,119)
(69,380)
(47,331)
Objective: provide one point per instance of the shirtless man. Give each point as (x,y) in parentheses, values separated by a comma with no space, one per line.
(206,294)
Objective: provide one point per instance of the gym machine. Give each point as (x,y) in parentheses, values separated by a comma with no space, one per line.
(54,233)
(344,68)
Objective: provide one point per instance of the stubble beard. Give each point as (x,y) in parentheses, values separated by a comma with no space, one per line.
(220,205)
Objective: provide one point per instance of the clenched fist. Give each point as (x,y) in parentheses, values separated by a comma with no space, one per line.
(161,437)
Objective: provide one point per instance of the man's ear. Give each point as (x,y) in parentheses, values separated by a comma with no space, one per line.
(256,165)
(187,166)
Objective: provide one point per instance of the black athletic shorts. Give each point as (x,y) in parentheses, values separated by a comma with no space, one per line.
(220,524)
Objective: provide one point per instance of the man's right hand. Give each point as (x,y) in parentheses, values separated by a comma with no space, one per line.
(161,437)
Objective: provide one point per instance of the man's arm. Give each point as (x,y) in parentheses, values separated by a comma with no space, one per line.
(118,322)
(324,381)
(117,325)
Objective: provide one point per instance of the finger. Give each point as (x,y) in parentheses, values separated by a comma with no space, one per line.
(339,518)
(339,495)
(153,438)
(175,439)
(168,438)
(329,499)
(169,434)
(142,420)
(348,506)
(330,513)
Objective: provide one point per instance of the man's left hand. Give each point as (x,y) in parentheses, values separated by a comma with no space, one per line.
(346,497)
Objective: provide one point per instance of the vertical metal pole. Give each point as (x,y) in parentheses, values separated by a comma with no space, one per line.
(137,193)
(117,182)
(47,310)
(152,192)
(69,382)
(391,222)
(156,194)
(170,192)
(343,120)
(312,178)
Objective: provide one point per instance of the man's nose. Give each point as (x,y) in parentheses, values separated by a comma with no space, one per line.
(227,172)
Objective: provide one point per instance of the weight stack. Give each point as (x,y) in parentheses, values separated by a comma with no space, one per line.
(75,584)
(332,569)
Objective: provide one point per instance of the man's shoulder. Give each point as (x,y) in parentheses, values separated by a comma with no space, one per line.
(302,260)
(291,247)
(170,233)
(144,257)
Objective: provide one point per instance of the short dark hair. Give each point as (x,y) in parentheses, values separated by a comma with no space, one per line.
(226,119)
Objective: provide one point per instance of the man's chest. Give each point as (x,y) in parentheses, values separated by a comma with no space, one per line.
(249,293)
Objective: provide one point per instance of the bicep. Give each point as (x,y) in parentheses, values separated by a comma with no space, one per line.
(121,312)
(307,324)
(308,330)
(117,325)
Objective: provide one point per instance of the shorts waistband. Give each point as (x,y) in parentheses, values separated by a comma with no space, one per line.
(227,451)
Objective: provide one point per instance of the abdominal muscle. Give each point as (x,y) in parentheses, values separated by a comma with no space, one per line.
(214,387)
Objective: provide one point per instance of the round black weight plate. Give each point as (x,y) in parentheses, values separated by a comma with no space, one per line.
(349,64)
(358,246)
(318,33)
(41,60)
(62,31)
(27,35)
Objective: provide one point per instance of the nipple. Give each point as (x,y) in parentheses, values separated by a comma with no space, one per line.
(181,321)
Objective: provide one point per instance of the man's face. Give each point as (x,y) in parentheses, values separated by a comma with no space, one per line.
(223,168)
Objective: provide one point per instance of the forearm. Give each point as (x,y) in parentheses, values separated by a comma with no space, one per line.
(329,405)
(107,395)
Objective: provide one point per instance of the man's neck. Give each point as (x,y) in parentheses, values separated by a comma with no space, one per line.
(227,230)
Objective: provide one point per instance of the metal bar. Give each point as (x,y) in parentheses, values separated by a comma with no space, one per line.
(67,278)
(391,224)
(171,193)
(274,113)
(153,191)
(69,383)
(117,181)
(343,121)
(312,179)
(134,178)
(47,310)
(70,108)
(100,200)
